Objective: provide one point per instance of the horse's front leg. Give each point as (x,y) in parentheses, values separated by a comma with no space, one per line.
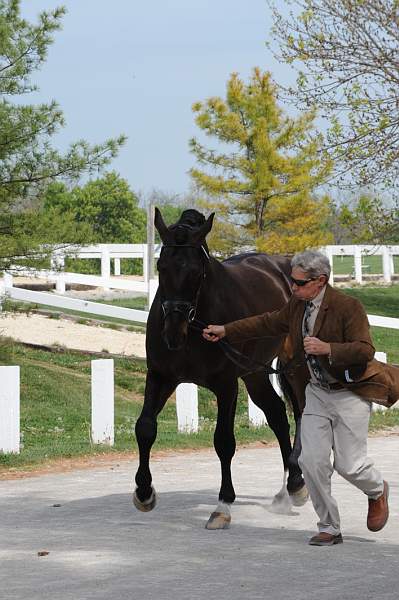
(157,391)
(225,446)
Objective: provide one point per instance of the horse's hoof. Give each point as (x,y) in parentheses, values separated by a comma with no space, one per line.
(300,497)
(218,520)
(148,504)
(281,503)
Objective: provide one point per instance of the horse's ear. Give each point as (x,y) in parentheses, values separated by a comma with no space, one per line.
(161,226)
(203,231)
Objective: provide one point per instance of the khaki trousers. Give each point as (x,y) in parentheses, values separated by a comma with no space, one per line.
(335,421)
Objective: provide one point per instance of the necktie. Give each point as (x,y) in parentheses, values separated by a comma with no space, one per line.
(311,358)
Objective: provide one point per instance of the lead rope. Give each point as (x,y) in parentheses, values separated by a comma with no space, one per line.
(238,358)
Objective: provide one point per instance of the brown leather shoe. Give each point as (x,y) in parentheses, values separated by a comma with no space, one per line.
(378,510)
(325,539)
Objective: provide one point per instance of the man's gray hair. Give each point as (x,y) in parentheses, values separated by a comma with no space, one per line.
(314,263)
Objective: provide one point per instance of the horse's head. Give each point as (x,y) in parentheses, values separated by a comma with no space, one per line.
(182,268)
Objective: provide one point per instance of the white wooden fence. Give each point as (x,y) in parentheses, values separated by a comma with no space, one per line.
(114,252)
(106,253)
(187,404)
(360,252)
(102,405)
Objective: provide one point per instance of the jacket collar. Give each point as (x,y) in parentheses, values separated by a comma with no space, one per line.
(323,309)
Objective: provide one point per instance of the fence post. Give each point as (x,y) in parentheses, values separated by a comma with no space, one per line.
(386,264)
(382,357)
(102,401)
(60,284)
(152,290)
(57,261)
(330,256)
(9,410)
(105,265)
(150,238)
(145,262)
(8,280)
(256,416)
(358,264)
(117,266)
(187,408)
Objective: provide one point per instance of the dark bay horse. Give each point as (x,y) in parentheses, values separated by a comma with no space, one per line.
(194,285)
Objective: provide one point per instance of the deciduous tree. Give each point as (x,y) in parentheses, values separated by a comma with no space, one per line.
(107,206)
(346,54)
(368,220)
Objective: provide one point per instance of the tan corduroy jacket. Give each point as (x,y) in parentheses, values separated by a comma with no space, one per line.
(343,323)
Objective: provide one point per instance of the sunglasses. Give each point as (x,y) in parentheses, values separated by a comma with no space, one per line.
(302,282)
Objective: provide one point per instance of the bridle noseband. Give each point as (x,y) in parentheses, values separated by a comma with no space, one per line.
(186,308)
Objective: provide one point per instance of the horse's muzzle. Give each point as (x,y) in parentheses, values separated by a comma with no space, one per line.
(175,331)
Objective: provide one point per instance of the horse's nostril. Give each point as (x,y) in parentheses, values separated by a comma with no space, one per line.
(175,342)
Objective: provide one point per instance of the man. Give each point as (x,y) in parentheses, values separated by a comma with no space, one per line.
(330,332)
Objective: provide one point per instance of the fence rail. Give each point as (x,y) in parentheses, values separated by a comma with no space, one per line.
(118,312)
(115,252)
(107,253)
(95,308)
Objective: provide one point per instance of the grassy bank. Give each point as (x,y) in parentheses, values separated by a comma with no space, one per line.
(55,408)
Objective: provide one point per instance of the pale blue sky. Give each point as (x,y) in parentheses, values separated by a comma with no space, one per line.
(137,67)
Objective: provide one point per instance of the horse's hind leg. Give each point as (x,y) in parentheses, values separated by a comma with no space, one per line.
(289,392)
(265,397)
(225,446)
(157,391)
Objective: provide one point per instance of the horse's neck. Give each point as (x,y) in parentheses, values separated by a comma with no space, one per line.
(217,274)
(217,286)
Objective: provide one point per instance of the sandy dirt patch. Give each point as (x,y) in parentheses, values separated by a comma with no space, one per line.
(37,329)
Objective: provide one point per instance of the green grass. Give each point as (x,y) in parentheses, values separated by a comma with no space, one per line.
(383,301)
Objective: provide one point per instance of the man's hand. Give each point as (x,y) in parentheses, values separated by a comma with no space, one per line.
(214,333)
(315,346)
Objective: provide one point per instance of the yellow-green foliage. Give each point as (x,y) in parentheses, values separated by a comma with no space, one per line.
(264,171)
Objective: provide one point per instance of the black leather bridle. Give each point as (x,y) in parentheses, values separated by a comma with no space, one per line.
(186,308)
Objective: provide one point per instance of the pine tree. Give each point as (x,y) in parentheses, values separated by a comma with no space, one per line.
(28,162)
(264,171)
